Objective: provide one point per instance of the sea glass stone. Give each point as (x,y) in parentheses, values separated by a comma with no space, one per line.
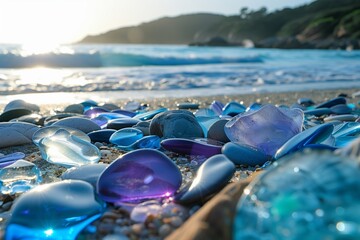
(211,177)
(151,141)
(138,176)
(121,123)
(233,108)
(266,129)
(143,210)
(124,112)
(19,177)
(312,195)
(314,135)
(94,111)
(332,102)
(6,160)
(244,155)
(192,147)
(206,122)
(51,130)
(149,115)
(67,150)
(54,211)
(126,136)
(217,107)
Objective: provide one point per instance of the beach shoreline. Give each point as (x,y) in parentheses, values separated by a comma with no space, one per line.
(58,101)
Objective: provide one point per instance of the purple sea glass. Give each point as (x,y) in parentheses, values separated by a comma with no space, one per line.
(94,111)
(267,128)
(9,159)
(138,176)
(192,147)
(217,107)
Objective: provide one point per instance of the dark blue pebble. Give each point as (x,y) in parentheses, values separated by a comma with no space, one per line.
(101,135)
(244,155)
(332,102)
(121,123)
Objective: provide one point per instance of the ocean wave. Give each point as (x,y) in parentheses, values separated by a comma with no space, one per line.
(97,60)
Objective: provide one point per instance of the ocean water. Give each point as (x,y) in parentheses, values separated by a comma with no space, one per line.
(141,71)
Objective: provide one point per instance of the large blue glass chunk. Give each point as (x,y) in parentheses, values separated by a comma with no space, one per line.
(312,195)
(54,211)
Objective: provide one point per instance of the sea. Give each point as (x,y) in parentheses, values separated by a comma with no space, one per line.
(71,73)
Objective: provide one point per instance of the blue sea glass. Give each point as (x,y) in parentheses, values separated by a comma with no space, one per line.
(19,177)
(211,177)
(312,135)
(205,112)
(126,136)
(67,150)
(54,211)
(346,132)
(124,112)
(138,176)
(149,115)
(233,108)
(312,195)
(254,107)
(8,159)
(266,129)
(51,130)
(151,141)
(101,121)
(192,147)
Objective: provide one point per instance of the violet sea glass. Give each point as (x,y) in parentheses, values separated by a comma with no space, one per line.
(267,128)
(8,159)
(67,150)
(138,176)
(192,147)
(94,111)
(54,211)
(217,107)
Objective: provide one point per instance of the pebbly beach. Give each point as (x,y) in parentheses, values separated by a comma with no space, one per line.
(208,209)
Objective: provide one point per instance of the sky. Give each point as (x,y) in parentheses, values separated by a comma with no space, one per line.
(51,22)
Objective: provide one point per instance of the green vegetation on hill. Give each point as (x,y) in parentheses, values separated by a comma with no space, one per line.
(305,26)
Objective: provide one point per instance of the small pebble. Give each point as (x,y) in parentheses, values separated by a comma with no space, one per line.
(165,230)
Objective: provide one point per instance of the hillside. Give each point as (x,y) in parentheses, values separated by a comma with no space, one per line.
(321,24)
(168,30)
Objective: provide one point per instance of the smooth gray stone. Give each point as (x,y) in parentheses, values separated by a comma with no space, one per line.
(109,106)
(244,155)
(345,117)
(31,118)
(13,134)
(13,113)
(88,173)
(80,123)
(211,177)
(332,102)
(341,109)
(176,124)
(318,111)
(52,119)
(188,106)
(217,132)
(121,123)
(143,126)
(306,102)
(21,104)
(75,108)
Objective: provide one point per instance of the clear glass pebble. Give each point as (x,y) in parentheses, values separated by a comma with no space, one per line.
(67,150)
(19,177)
